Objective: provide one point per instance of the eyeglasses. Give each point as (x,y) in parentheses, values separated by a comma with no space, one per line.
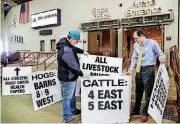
(76,41)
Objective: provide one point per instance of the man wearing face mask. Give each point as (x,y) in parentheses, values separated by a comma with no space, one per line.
(144,60)
(68,72)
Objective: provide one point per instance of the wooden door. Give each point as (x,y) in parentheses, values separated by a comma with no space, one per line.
(99,43)
(95,43)
(155,34)
(113,42)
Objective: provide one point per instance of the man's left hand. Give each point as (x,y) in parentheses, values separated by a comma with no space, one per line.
(162,59)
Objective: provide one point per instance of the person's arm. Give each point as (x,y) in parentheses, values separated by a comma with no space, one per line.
(78,50)
(133,59)
(158,52)
(69,58)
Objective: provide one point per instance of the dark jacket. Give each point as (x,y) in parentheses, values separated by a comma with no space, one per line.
(68,62)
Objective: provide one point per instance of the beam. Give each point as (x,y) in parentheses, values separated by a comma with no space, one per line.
(11,3)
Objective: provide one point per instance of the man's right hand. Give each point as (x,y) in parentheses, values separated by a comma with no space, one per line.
(127,73)
(86,53)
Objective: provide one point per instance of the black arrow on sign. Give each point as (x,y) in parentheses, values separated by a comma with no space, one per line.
(17,71)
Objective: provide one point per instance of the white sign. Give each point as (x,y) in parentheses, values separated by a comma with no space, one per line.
(159,94)
(45,88)
(78,87)
(101,65)
(48,18)
(105,99)
(15,80)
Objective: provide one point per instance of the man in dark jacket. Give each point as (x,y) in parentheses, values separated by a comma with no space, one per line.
(68,72)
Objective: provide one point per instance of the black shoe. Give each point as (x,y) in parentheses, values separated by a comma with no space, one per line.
(77,112)
(134,113)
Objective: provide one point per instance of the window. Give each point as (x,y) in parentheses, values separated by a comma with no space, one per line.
(42,45)
(53,45)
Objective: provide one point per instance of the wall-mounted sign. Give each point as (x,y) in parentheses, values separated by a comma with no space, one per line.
(100,14)
(143,8)
(102,24)
(16,39)
(148,19)
(46,19)
(45,32)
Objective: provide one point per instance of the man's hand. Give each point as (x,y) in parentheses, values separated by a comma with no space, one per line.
(86,74)
(162,59)
(86,53)
(127,73)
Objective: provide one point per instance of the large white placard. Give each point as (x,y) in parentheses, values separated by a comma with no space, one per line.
(45,88)
(92,65)
(105,99)
(159,94)
(100,65)
(15,80)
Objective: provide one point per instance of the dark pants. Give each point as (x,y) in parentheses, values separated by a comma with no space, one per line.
(144,80)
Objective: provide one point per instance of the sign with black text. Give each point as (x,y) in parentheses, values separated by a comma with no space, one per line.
(105,99)
(45,88)
(46,19)
(159,94)
(15,80)
(143,7)
(101,65)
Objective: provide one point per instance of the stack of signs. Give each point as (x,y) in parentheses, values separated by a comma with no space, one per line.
(15,80)
(45,88)
(93,65)
(159,94)
(105,99)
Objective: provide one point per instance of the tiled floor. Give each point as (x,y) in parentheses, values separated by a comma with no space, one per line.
(168,112)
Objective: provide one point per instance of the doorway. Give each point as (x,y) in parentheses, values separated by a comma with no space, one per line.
(103,42)
(154,33)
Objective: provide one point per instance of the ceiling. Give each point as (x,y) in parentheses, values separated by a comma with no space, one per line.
(20,1)
(8,4)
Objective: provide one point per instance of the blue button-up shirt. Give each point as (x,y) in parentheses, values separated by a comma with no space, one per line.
(150,51)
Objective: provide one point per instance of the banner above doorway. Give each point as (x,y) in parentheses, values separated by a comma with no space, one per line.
(100,25)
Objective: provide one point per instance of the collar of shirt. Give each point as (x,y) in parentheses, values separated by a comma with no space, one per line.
(145,41)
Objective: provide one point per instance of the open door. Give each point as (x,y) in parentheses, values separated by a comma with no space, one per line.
(112,42)
(95,43)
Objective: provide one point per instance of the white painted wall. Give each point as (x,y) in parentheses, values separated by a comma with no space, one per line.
(74,12)
(2,28)
(172,30)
